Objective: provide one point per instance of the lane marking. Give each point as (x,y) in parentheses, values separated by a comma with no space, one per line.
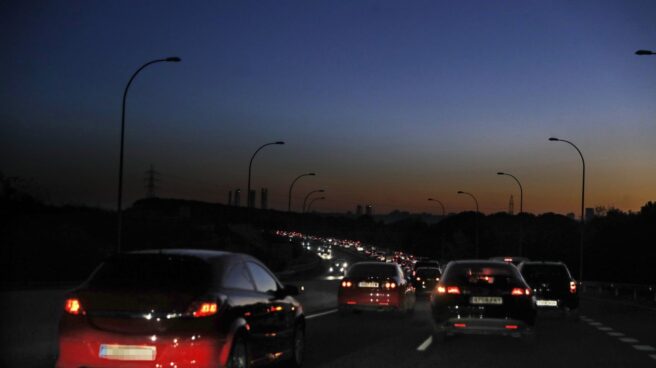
(424,345)
(629,340)
(321,314)
(595,323)
(615,334)
(603,328)
(644,348)
(653,356)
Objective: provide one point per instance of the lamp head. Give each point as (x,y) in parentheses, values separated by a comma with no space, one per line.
(280,142)
(173,59)
(553,139)
(644,52)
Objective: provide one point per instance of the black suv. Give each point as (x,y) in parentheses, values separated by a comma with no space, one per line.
(553,286)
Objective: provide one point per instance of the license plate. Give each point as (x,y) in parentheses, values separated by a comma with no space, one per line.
(547,303)
(127,352)
(494,300)
(368,284)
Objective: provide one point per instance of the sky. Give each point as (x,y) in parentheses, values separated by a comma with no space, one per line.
(389,102)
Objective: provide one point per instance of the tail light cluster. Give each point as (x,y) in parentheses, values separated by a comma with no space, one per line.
(346,284)
(520,291)
(448,290)
(572,287)
(74,307)
(203,309)
(389,285)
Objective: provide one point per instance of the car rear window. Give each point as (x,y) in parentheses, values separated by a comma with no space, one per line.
(545,272)
(426,264)
(482,274)
(152,272)
(377,270)
(428,272)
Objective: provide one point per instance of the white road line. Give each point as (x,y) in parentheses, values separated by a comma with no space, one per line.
(629,340)
(321,314)
(603,328)
(615,334)
(644,348)
(653,356)
(595,323)
(424,345)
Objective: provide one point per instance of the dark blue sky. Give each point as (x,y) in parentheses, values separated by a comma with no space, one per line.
(389,102)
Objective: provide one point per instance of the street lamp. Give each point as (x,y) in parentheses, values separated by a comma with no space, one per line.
(289,201)
(521,207)
(475,220)
(250,202)
(173,59)
(441,204)
(582,202)
(645,52)
(308,196)
(312,201)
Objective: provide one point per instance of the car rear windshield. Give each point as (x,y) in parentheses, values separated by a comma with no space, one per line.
(428,272)
(152,272)
(545,272)
(426,264)
(373,270)
(482,274)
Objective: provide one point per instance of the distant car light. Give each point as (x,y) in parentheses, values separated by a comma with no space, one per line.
(73,306)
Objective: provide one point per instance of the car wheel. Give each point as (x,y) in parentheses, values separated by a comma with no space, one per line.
(299,347)
(239,354)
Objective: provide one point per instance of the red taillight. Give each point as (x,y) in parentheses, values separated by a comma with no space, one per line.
(390,285)
(460,325)
(520,291)
(452,290)
(511,327)
(572,287)
(347,284)
(73,306)
(204,309)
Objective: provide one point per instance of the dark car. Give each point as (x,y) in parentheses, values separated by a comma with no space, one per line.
(180,308)
(375,286)
(483,297)
(553,286)
(424,263)
(337,267)
(425,279)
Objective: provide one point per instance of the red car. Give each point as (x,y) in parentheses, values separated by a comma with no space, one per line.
(375,286)
(180,308)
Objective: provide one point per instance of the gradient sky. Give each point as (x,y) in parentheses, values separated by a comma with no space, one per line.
(390,102)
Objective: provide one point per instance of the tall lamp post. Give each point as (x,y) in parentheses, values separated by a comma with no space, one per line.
(119,242)
(582,204)
(521,208)
(442,232)
(250,203)
(475,220)
(312,202)
(289,201)
(308,196)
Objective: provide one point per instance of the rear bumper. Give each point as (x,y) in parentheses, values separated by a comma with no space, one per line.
(182,351)
(369,300)
(486,326)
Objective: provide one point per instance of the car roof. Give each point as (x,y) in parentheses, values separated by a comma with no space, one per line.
(545,263)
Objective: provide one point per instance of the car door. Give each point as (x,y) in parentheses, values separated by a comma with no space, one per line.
(277,326)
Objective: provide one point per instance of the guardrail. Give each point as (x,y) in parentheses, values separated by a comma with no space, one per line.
(621,290)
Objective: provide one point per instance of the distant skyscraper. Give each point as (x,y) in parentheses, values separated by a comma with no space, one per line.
(358,210)
(230,198)
(369,210)
(251,198)
(264,198)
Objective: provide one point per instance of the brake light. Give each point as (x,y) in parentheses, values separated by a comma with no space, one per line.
(347,284)
(520,291)
(460,325)
(390,285)
(73,306)
(204,309)
(452,290)
(441,290)
(511,327)
(572,287)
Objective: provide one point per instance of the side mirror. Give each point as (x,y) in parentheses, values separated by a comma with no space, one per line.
(288,290)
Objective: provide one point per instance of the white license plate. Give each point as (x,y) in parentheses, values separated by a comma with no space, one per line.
(547,303)
(127,352)
(494,300)
(368,284)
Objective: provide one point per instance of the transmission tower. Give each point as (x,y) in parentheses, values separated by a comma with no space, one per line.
(152,179)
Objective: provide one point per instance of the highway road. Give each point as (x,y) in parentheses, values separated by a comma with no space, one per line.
(610,334)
